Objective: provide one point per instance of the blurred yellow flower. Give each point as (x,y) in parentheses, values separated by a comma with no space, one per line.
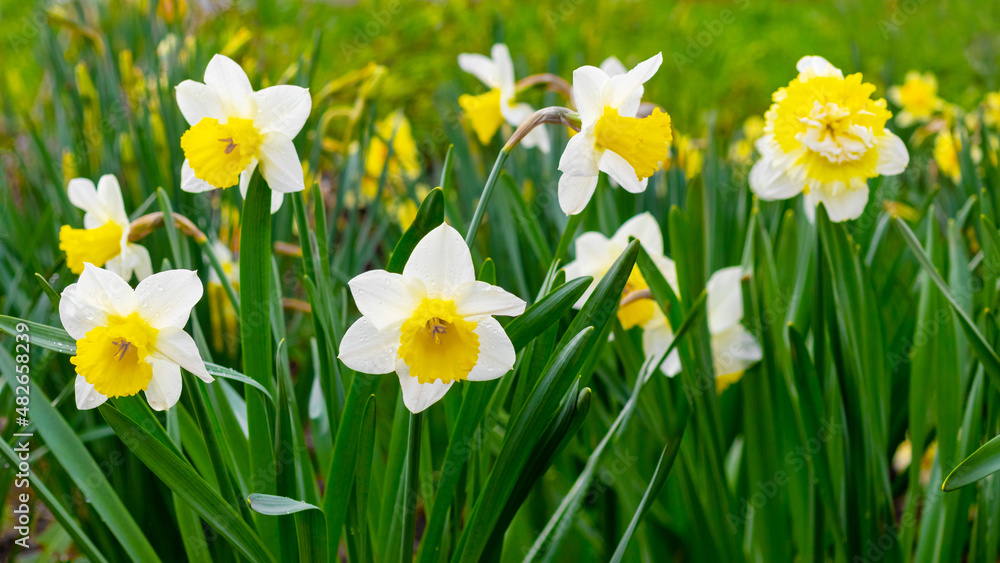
(225,329)
(826,137)
(917,96)
(946,149)
(991,109)
(690,157)
(401,165)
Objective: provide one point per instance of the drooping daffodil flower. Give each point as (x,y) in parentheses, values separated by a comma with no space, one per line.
(825,136)
(433,324)
(612,139)
(487,112)
(104,239)
(131,340)
(734,349)
(233,129)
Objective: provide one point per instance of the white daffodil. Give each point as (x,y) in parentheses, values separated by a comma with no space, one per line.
(825,136)
(104,239)
(433,324)
(595,254)
(131,340)
(234,128)
(734,349)
(488,111)
(611,138)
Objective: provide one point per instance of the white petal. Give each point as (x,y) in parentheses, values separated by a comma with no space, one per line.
(442,261)
(232,86)
(770,182)
(504,66)
(191,183)
(579,158)
(618,168)
(813,66)
(109,194)
(245,177)
(418,396)
(367,349)
(280,165)
(538,137)
(198,101)
(734,350)
(284,109)
(86,396)
(83,194)
(643,228)
(595,254)
(143,264)
(848,204)
(668,269)
(656,338)
(621,89)
(106,291)
(892,155)
(476,298)
(385,298)
(613,67)
(165,387)
(588,85)
(725,299)
(177,346)
(575,192)
(166,298)
(78,316)
(481,67)
(496,352)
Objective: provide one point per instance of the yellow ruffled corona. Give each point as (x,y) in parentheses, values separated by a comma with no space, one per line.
(483,112)
(643,143)
(112,357)
(96,246)
(219,152)
(437,343)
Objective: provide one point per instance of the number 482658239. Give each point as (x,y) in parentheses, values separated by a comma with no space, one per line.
(22,391)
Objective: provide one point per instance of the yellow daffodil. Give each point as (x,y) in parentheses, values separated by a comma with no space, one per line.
(131,340)
(826,137)
(612,139)
(734,349)
(433,324)
(918,98)
(946,149)
(233,129)
(991,109)
(402,164)
(104,239)
(487,112)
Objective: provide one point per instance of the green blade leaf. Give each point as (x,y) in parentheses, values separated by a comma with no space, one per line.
(273,505)
(983,462)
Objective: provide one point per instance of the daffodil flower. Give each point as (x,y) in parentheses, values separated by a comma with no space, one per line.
(596,253)
(918,98)
(734,349)
(612,139)
(946,149)
(825,136)
(488,111)
(433,324)
(104,239)
(233,129)
(612,66)
(404,162)
(131,340)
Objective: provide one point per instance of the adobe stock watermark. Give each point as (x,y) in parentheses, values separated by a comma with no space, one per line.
(900,14)
(708,31)
(376,26)
(795,460)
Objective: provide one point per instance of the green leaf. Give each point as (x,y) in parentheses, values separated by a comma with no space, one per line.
(181,478)
(983,462)
(545,312)
(983,351)
(273,505)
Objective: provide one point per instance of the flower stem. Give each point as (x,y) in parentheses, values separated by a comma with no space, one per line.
(567,236)
(487,192)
